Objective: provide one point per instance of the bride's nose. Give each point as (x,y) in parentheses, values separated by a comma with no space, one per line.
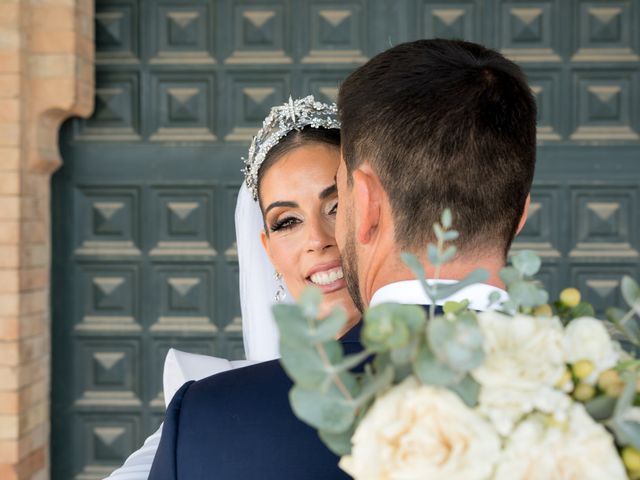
(320,236)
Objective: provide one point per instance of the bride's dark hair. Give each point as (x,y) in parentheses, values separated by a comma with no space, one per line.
(294,139)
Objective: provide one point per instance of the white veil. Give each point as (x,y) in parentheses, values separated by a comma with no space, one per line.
(257,283)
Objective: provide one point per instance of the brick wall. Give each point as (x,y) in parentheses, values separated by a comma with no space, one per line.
(46,75)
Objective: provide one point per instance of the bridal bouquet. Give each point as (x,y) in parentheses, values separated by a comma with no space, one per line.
(524,390)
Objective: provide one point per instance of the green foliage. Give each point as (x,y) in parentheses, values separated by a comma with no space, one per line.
(625,429)
(390,326)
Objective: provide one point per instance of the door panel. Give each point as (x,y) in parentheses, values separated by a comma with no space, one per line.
(143,236)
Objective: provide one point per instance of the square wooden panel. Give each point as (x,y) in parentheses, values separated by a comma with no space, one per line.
(183,34)
(459,19)
(334,32)
(603,224)
(116,116)
(530,31)
(606,31)
(185,299)
(108,372)
(181,223)
(600,285)
(546,87)
(116,32)
(542,230)
(183,107)
(107,298)
(604,101)
(260,32)
(107,221)
(324,86)
(250,101)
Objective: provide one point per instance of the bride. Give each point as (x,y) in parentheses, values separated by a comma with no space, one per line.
(285,217)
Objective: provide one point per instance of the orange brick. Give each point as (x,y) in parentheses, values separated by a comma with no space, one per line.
(9,257)
(9,353)
(43,41)
(9,13)
(33,278)
(9,36)
(34,231)
(52,17)
(10,280)
(9,232)
(34,302)
(9,328)
(9,85)
(9,304)
(34,255)
(9,158)
(9,110)
(10,207)
(8,471)
(9,451)
(9,62)
(9,181)
(9,427)
(9,404)
(10,134)
(52,65)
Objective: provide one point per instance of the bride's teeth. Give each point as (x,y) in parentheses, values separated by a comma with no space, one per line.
(328,277)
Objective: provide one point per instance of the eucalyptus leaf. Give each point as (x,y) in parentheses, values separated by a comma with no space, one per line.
(384,328)
(404,355)
(330,413)
(601,407)
(309,301)
(448,254)
(457,343)
(526,262)
(527,294)
(433,255)
(583,309)
(446,218)
(416,267)
(456,307)
(468,390)
(431,371)
(338,443)
(494,297)
(293,327)
(510,275)
(374,385)
(631,292)
(438,231)
(307,367)
(614,314)
(450,235)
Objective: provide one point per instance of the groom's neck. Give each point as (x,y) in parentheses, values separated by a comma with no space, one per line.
(393,269)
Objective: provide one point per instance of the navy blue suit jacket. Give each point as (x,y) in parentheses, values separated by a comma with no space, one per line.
(238,425)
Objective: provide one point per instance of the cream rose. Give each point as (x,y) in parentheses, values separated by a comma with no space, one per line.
(581,449)
(524,359)
(415,431)
(587,339)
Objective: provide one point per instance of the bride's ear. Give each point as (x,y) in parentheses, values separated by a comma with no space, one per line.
(525,214)
(366,195)
(265,244)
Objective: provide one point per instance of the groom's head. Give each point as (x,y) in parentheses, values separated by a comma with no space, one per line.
(428,125)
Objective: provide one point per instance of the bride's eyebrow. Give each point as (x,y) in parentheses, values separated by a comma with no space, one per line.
(280,204)
(327,192)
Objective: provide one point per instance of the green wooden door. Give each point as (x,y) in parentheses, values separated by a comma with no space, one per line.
(143,237)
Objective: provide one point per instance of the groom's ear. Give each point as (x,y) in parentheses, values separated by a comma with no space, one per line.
(367,196)
(525,214)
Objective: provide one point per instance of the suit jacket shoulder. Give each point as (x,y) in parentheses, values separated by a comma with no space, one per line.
(239,424)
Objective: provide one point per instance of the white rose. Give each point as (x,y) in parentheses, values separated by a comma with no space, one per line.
(415,431)
(587,339)
(579,450)
(524,359)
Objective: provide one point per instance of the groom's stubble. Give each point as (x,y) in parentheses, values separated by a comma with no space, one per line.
(350,263)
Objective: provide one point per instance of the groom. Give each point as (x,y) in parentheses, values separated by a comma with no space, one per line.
(425,125)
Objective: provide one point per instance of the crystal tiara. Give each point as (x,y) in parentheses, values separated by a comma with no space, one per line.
(293,115)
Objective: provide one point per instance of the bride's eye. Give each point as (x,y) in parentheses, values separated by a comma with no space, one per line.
(284,224)
(334,209)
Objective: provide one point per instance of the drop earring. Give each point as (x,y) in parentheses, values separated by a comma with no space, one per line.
(280,292)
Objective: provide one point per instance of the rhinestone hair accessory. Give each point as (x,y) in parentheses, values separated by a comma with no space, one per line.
(293,115)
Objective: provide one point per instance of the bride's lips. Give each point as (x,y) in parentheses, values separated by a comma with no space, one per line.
(327,277)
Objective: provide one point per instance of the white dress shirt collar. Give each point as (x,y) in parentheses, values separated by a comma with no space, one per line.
(411,292)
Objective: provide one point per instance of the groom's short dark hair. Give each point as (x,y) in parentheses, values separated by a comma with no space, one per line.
(445,123)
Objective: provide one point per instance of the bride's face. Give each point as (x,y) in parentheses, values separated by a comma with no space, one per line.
(299,201)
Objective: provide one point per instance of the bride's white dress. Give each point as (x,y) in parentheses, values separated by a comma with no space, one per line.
(257,289)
